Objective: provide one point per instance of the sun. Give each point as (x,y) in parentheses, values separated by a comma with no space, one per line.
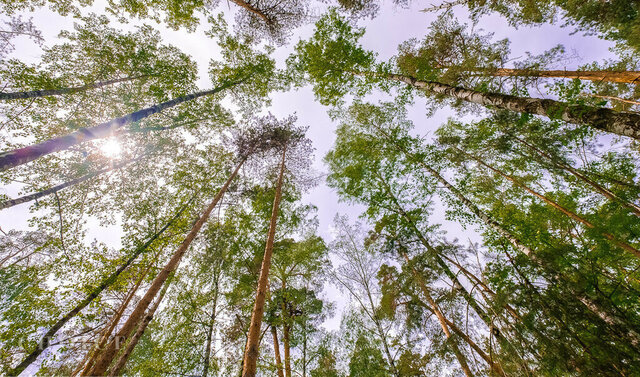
(111,148)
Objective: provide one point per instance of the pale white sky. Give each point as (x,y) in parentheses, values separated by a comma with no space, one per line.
(391,27)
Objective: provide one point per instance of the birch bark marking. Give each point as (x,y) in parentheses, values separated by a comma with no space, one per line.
(621,123)
(61,91)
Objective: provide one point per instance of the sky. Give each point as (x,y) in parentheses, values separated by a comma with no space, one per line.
(392,26)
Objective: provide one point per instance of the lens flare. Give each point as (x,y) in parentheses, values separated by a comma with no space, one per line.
(111,148)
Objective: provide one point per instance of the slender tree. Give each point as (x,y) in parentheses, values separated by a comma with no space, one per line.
(23,155)
(107,355)
(357,276)
(95,292)
(61,91)
(332,60)
(53,190)
(291,142)
(252,347)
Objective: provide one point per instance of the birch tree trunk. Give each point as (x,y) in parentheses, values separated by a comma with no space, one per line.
(54,189)
(251,352)
(107,355)
(23,155)
(61,91)
(603,119)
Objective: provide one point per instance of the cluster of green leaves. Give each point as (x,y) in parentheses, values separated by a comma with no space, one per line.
(560,293)
(548,291)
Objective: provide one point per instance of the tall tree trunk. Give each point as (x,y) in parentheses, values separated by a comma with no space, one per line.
(441,318)
(304,350)
(90,356)
(620,123)
(131,344)
(251,352)
(54,189)
(61,91)
(625,77)
(287,348)
(212,320)
(23,155)
(555,205)
(95,292)
(495,366)
(437,255)
(106,357)
(598,188)
(276,350)
(286,318)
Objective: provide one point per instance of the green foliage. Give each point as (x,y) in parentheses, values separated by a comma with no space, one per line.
(366,360)
(331,59)
(533,290)
(615,20)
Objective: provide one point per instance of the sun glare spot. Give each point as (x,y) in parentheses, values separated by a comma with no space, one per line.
(111,148)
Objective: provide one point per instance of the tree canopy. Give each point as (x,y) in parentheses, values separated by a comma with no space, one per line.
(296,188)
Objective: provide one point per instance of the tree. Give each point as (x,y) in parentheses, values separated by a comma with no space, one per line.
(256,142)
(617,20)
(46,339)
(95,56)
(454,55)
(269,19)
(356,274)
(334,62)
(288,139)
(246,68)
